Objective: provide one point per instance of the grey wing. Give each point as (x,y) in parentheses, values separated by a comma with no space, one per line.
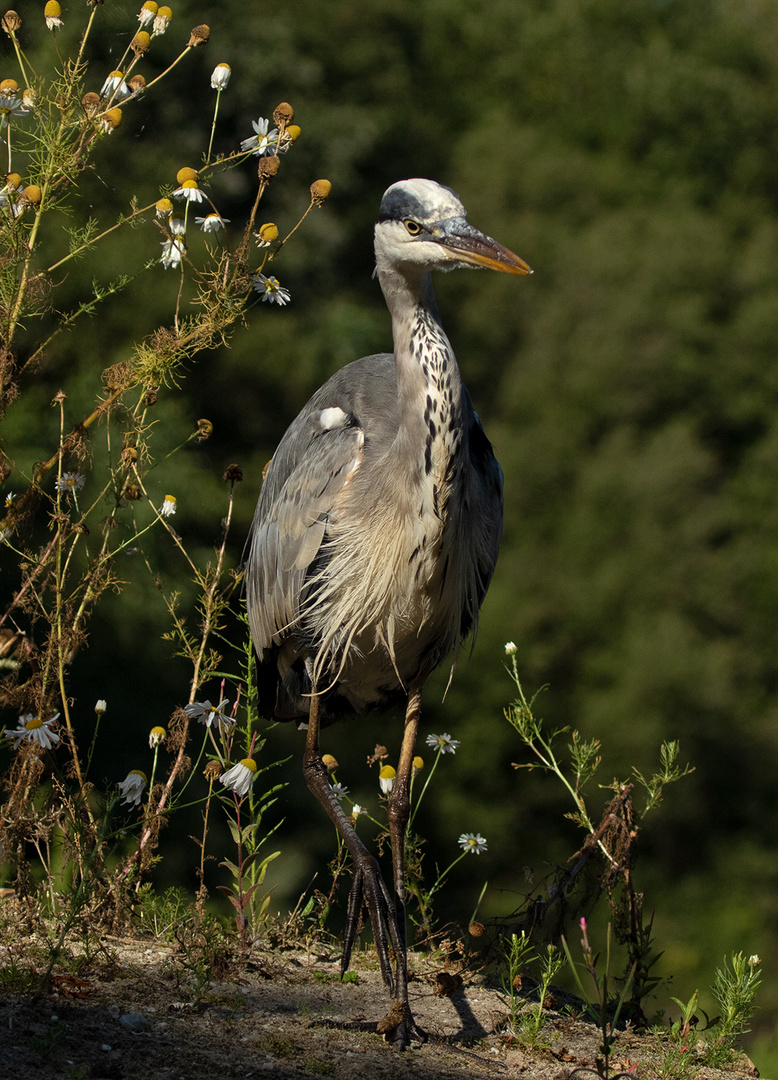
(314,460)
(487,521)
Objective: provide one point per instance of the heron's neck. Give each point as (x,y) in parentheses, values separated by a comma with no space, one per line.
(429,384)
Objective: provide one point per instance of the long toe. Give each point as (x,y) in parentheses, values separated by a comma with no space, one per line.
(399,1027)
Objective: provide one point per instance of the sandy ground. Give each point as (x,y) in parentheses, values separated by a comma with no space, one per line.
(128,1016)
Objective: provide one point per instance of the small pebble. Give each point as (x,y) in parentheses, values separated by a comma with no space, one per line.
(134,1022)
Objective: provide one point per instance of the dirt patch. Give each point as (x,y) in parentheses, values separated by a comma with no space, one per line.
(126,1016)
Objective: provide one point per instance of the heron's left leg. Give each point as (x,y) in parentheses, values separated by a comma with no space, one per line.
(399,812)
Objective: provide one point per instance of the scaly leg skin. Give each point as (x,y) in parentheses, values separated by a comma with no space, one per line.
(398,1025)
(368,886)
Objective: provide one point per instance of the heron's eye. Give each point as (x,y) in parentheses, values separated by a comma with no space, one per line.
(412,226)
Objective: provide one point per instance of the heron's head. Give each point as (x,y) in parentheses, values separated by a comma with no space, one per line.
(422,224)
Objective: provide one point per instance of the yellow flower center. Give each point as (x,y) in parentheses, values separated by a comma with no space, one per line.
(34,724)
(250,764)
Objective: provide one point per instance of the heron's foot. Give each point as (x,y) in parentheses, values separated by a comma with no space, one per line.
(368,889)
(399,1027)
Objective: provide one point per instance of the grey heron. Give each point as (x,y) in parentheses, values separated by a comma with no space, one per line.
(375,538)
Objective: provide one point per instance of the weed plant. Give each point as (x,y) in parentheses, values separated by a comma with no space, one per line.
(73,849)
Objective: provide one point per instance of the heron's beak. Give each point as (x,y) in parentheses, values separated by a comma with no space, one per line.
(465,244)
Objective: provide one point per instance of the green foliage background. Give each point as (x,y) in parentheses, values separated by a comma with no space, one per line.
(627,150)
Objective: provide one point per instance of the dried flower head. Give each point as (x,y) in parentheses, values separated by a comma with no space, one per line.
(268,167)
(233,474)
(91,102)
(320,190)
(330,762)
(199,36)
(204,430)
(137,84)
(11,22)
(283,114)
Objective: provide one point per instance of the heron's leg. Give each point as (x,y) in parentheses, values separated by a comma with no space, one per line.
(399,812)
(368,885)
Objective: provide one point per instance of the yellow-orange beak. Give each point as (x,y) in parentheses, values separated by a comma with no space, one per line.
(466,245)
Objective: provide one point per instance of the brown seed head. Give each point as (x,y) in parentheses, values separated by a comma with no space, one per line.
(268,167)
(212,771)
(330,762)
(132,492)
(476,929)
(150,397)
(199,36)
(136,83)
(283,115)
(130,454)
(204,430)
(320,190)
(233,474)
(11,21)
(91,102)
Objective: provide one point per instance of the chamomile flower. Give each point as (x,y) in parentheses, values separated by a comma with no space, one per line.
(100,705)
(240,777)
(51,14)
(207,714)
(173,252)
(115,87)
(263,141)
(190,191)
(9,500)
(177,224)
(220,76)
(386,778)
(212,222)
(70,482)
(444,743)
(147,12)
(162,20)
(356,810)
(339,791)
(272,290)
(168,507)
(11,102)
(473,843)
(32,729)
(511,648)
(156,736)
(132,787)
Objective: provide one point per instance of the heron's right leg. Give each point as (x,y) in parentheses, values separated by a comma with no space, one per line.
(368,885)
